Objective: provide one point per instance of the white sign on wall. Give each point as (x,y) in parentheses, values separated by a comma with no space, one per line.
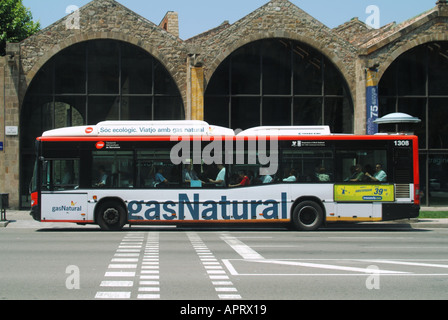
(12,131)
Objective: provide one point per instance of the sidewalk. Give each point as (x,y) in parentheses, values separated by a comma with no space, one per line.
(23,219)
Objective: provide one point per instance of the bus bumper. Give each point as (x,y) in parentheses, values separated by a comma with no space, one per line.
(394,211)
(35,213)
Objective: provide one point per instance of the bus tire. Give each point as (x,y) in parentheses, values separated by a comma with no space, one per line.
(307,216)
(111,216)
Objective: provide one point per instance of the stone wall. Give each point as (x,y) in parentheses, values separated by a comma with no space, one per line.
(9,157)
(105,19)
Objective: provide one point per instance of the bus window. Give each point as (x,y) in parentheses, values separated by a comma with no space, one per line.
(155,170)
(307,166)
(113,169)
(60,174)
(365,166)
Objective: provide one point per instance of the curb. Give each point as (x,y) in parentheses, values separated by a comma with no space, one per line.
(4,224)
(23,217)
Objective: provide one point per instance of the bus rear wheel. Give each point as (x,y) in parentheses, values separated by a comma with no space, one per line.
(111,216)
(307,216)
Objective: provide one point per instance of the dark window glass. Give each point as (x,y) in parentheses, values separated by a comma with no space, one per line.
(302,165)
(411,73)
(438,180)
(307,111)
(245,70)
(217,111)
(113,169)
(155,170)
(168,108)
(307,70)
(438,68)
(102,108)
(70,70)
(276,67)
(338,114)
(416,84)
(275,110)
(438,127)
(245,113)
(104,67)
(137,71)
(278,82)
(94,81)
(333,81)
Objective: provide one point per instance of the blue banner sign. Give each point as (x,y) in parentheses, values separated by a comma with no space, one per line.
(372,101)
(1,146)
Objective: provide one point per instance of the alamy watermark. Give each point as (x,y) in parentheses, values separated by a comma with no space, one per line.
(224,151)
(73,281)
(373,280)
(72,22)
(374,18)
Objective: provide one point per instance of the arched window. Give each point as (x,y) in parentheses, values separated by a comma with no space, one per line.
(278,82)
(94,81)
(415,83)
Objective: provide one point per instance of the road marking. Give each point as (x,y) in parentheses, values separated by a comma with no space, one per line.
(128,251)
(117,284)
(246,252)
(120,274)
(329,267)
(150,270)
(250,255)
(214,269)
(404,263)
(113,295)
(122,266)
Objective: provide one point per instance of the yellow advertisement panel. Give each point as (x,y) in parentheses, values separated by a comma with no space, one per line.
(364,193)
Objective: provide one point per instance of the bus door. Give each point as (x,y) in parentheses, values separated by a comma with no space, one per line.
(60,199)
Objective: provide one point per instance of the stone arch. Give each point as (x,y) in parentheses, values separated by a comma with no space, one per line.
(408,45)
(300,85)
(255,36)
(70,41)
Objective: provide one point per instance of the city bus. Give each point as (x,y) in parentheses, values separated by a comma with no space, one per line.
(191,173)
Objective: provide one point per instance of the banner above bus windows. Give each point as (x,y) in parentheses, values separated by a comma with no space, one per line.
(142,128)
(179,128)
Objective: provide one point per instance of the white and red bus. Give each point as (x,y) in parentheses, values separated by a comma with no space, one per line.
(189,172)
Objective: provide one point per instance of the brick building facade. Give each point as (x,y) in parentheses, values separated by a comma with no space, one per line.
(190,68)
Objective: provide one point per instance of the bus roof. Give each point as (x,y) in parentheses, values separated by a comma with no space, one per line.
(142,128)
(179,128)
(287,131)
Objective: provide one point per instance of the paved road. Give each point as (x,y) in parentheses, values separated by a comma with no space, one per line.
(375,262)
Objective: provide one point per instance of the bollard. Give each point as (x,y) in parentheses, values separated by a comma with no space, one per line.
(4,204)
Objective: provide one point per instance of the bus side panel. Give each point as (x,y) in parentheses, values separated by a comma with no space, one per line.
(64,207)
(253,204)
(357,212)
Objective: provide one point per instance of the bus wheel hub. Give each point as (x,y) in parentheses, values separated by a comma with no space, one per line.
(111,216)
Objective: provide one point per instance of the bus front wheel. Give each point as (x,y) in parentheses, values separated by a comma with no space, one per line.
(111,216)
(307,216)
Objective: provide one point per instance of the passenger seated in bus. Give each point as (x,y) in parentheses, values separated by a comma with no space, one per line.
(244,180)
(220,180)
(102,180)
(292,176)
(160,180)
(189,176)
(358,175)
(379,176)
(322,176)
(266,179)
